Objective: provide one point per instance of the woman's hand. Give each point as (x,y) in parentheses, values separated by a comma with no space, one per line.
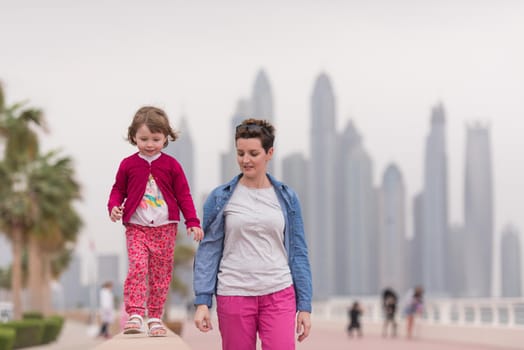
(303,325)
(202,318)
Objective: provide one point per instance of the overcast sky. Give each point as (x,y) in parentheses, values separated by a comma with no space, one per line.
(91,64)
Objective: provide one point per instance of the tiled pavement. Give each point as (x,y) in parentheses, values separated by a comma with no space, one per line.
(324,336)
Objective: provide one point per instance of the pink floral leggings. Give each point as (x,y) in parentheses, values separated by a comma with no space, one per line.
(150,254)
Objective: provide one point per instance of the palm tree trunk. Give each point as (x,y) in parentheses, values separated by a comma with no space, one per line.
(47,307)
(16,276)
(35,274)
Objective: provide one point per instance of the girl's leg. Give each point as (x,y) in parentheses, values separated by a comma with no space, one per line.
(237,321)
(161,243)
(277,319)
(135,283)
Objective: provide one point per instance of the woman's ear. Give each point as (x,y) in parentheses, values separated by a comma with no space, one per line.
(269,153)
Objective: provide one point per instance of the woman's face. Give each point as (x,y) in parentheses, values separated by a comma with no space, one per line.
(252,158)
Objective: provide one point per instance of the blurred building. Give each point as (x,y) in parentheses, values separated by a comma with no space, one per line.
(456,252)
(435,207)
(75,294)
(392,231)
(262,105)
(347,141)
(361,258)
(511,263)
(108,266)
(322,190)
(478,212)
(295,175)
(228,160)
(414,246)
(183,150)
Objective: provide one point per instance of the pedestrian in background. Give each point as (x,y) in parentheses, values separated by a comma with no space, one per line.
(414,308)
(107,309)
(389,306)
(354,315)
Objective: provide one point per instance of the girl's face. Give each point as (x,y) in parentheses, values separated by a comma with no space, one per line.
(148,143)
(252,158)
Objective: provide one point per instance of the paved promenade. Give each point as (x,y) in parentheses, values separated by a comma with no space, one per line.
(76,336)
(326,336)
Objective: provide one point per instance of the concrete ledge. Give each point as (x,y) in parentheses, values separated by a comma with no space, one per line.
(142,341)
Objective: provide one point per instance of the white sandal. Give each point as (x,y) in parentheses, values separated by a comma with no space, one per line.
(157,329)
(134,324)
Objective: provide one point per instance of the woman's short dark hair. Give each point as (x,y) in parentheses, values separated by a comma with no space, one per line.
(256,128)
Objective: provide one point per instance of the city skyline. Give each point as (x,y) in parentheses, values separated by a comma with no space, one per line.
(372,231)
(388,63)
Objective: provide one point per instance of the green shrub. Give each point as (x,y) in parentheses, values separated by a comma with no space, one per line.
(29,332)
(52,328)
(7,338)
(32,315)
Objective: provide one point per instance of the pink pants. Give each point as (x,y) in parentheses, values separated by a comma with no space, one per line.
(150,254)
(272,316)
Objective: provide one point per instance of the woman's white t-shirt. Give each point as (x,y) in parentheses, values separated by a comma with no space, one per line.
(254,260)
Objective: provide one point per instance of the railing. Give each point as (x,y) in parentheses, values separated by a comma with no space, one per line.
(497,312)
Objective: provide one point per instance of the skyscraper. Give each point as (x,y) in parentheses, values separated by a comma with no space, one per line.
(75,294)
(511,264)
(262,105)
(392,233)
(361,258)
(183,150)
(228,159)
(321,177)
(295,175)
(109,270)
(414,246)
(435,219)
(478,212)
(457,251)
(262,98)
(347,141)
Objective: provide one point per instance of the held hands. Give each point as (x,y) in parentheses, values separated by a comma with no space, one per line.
(197,232)
(116,213)
(303,325)
(202,318)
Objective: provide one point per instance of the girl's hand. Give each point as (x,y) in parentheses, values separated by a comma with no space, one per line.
(116,213)
(197,232)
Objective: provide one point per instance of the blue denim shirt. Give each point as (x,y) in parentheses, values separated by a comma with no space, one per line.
(209,252)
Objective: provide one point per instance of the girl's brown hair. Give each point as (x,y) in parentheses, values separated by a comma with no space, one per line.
(155,119)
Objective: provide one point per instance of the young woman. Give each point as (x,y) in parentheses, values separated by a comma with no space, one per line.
(254,256)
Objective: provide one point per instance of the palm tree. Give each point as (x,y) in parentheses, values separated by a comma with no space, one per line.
(37,192)
(21,147)
(52,189)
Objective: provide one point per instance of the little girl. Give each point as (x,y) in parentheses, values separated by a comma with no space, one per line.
(149,192)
